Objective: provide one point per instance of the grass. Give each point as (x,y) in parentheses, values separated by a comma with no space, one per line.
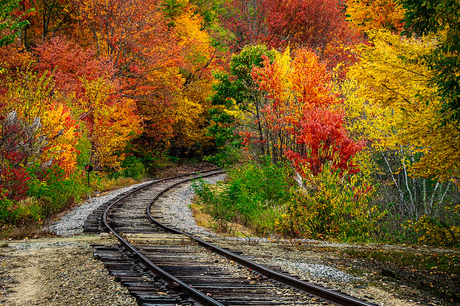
(37,229)
(205,220)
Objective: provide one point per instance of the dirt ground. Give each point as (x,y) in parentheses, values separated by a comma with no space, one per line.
(61,271)
(57,271)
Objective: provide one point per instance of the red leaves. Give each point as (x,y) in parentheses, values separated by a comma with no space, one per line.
(70,63)
(247,20)
(14,142)
(319,25)
(323,135)
(14,182)
(302,115)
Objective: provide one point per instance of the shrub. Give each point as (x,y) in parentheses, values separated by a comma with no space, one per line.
(254,196)
(435,232)
(133,167)
(54,191)
(333,204)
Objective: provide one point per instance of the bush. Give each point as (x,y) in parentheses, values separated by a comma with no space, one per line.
(8,211)
(435,232)
(55,192)
(133,167)
(254,197)
(334,204)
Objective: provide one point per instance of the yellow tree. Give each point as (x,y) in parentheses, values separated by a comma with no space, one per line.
(392,103)
(111,122)
(191,100)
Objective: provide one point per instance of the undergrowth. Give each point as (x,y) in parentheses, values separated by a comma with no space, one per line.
(252,197)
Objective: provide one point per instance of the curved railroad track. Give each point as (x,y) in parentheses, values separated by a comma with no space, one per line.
(161,265)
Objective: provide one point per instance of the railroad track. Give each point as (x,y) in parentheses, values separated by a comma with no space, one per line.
(161,265)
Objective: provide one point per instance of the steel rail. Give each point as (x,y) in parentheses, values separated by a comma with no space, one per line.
(192,292)
(323,293)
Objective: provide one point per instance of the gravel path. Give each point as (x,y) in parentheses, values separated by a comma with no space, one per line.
(175,208)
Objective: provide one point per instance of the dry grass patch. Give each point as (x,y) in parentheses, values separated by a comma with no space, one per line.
(231,229)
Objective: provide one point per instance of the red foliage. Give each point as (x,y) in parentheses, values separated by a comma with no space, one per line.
(70,62)
(303,117)
(14,181)
(317,24)
(246,20)
(13,176)
(322,132)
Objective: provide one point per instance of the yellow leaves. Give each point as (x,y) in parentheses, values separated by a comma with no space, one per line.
(391,102)
(62,131)
(33,96)
(195,42)
(111,121)
(368,15)
(433,233)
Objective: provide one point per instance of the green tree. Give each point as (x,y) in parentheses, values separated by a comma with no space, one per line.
(239,94)
(10,23)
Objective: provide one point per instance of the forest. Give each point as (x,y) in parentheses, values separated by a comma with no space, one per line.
(335,119)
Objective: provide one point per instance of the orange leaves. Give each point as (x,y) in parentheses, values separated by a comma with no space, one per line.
(70,62)
(303,109)
(368,15)
(111,122)
(296,84)
(134,35)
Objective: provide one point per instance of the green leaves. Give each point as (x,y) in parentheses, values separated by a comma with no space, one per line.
(10,21)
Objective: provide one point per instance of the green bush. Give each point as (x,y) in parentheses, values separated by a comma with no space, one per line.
(254,196)
(55,192)
(133,167)
(8,212)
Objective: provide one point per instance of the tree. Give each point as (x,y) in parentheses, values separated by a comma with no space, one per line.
(190,102)
(395,107)
(51,18)
(111,122)
(315,24)
(366,15)
(134,35)
(17,144)
(239,93)
(246,20)
(302,116)
(71,63)
(10,21)
(440,18)
(35,102)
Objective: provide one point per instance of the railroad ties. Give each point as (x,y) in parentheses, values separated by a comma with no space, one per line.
(163,268)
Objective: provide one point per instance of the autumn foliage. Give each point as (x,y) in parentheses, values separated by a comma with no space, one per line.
(326,91)
(302,115)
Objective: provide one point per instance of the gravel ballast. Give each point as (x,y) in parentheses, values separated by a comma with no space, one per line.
(72,223)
